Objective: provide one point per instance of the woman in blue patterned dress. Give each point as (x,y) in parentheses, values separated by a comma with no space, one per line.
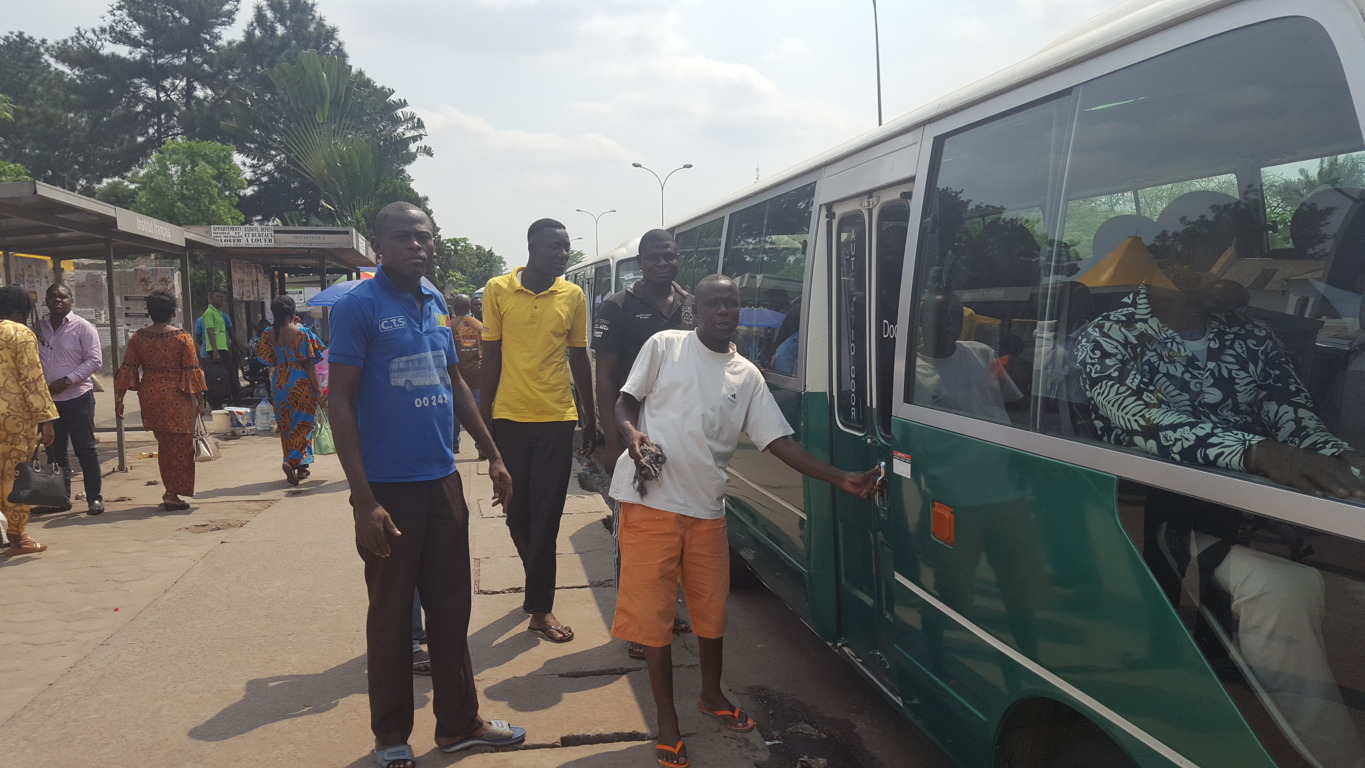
(292,351)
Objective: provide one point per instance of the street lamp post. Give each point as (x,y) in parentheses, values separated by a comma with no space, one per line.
(597,245)
(662,182)
(877,45)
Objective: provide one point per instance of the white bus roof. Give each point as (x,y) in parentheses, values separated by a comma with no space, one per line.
(1118,26)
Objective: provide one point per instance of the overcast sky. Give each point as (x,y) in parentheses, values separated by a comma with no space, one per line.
(538,107)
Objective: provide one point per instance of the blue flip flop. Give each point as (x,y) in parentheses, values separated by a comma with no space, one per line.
(386,758)
(500,734)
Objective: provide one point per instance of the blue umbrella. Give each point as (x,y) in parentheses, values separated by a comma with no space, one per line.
(329,296)
(760,317)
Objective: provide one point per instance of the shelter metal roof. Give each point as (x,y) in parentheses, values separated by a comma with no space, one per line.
(49,221)
(281,246)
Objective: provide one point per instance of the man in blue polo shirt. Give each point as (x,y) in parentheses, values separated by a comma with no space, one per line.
(395,394)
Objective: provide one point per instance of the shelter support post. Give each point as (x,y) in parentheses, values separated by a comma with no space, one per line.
(326,325)
(114,356)
(186,286)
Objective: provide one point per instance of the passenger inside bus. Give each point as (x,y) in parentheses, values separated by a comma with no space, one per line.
(1187,376)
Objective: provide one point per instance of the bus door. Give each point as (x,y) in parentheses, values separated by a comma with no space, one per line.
(866,241)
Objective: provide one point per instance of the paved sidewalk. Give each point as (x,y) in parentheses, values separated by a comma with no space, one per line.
(233,634)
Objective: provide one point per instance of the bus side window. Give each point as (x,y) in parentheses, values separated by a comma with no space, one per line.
(699,253)
(765,253)
(981,264)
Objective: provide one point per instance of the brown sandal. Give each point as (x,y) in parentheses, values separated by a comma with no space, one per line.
(289,473)
(23,545)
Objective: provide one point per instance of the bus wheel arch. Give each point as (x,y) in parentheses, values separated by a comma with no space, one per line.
(1040,732)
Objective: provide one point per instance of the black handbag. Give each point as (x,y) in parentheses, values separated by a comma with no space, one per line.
(39,485)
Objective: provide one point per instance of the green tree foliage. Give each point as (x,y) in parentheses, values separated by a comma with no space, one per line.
(117,192)
(10,171)
(158,58)
(191,182)
(575,257)
(62,141)
(463,267)
(1283,194)
(278,32)
(334,128)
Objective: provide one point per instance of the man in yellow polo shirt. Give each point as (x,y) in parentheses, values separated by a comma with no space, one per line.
(530,317)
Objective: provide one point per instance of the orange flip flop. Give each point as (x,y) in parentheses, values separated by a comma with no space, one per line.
(678,761)
(733,719)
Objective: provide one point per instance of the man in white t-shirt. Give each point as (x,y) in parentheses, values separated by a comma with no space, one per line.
(954,375)
(690,395)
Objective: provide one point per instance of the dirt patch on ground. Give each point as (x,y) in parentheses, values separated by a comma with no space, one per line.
(214,525)
(241,514)
(800,738)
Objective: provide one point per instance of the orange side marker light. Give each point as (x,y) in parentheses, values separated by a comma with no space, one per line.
(941,523)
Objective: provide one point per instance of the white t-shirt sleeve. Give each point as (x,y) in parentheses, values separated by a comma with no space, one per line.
(645,372)
(763,420)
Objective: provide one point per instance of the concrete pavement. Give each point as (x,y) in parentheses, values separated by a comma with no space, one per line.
(233,633)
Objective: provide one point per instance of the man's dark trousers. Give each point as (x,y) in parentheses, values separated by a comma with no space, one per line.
(77,423)
(539,456)
(433,555)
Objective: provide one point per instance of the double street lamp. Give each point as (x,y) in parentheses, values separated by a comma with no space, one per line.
(597,246)
(662,182)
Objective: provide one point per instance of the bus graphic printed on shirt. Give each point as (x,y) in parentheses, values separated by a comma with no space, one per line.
(425,370)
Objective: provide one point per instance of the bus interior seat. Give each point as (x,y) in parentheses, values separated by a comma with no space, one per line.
(1116,229)
(1321,221)
(1202,223)
(1327,226)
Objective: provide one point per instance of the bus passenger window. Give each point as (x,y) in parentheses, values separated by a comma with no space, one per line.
(699,253)
(981,265)
(765,253)
(850,321)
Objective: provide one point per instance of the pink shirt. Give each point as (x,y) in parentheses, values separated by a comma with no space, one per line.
(71,350)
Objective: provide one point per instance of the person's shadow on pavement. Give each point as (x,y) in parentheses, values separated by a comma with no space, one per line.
(269,700)
(488,654)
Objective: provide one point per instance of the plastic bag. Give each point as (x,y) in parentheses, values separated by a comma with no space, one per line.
(323,445)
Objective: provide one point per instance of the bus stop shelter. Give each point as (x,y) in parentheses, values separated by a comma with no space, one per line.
(277,251)
(43,220)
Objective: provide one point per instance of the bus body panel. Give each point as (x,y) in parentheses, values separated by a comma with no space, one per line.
(1004,566)
(1100,624)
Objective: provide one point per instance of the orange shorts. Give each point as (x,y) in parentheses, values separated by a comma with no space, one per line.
(659,550)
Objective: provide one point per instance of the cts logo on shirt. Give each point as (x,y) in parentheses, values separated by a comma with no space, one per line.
(395,323)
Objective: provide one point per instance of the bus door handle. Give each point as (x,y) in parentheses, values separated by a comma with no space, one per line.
(881,496)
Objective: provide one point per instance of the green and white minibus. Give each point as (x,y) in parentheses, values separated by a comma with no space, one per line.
(1038,586)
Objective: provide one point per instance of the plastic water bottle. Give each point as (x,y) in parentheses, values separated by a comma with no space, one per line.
(265,417)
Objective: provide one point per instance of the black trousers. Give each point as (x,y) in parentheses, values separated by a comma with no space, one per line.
(432,555)
(539,456)
(77,425)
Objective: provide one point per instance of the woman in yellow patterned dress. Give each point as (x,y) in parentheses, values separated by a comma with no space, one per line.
(24,405)
(162,366)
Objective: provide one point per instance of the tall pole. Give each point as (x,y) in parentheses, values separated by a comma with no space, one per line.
(596,244)
(877,47)
(662,183)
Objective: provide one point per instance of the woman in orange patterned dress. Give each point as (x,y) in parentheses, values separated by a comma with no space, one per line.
(162,366)
(24,404)
(292,351)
